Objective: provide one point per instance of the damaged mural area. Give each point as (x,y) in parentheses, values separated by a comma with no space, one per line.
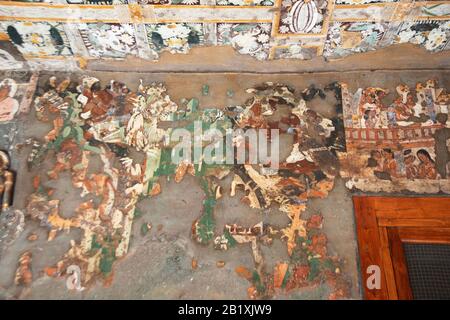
(397,146)
(308,172)
(16,94)
(345,38)
(109,125)
(94,122)
(116,146)
(38,39)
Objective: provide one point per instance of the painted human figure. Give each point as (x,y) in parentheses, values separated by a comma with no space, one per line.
(69,156)
(427,168)
(313,120)
(404,104)
(391,116)
(429,103)
(98,101)
(8,105)
(378,157)
(418,110)
(371,119)
(412,171)
(441,146)
(389,165)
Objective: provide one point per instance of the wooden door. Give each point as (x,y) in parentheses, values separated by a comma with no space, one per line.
(385,225)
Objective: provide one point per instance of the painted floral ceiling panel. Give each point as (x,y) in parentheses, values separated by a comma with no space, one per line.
(174,37)
(433,35)
(246,38)
(262,29)
(109,40)
(41,38)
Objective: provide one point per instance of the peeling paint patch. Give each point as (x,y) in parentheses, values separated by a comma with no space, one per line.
(109,40)
(350,37)
(433,35)
(251,39)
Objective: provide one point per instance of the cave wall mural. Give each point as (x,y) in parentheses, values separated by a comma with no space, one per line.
(395,141)
(375,142)
(398,145)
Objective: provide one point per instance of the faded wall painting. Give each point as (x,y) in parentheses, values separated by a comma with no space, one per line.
(14,95)
(96,123)
(114,145)
(94,150)
(433,35)
(109,40)
(302,17)
(10,57)
(174,37)
(251,39)
(399,145)
(345,38)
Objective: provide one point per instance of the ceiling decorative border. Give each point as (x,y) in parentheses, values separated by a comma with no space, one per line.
(299,24)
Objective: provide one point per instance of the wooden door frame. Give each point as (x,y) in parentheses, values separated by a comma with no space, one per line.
(383,223)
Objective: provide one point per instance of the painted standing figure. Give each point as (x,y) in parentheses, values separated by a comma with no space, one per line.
(430,106)
(8,105)
(390,165)
(392,116)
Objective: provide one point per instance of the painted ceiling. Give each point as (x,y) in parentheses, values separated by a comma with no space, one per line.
(69,33)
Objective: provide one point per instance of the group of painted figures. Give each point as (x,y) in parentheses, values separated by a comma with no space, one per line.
(405,164)
(406,139)
(411,107)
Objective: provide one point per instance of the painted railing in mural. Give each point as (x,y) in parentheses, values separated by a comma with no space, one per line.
(391,137)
